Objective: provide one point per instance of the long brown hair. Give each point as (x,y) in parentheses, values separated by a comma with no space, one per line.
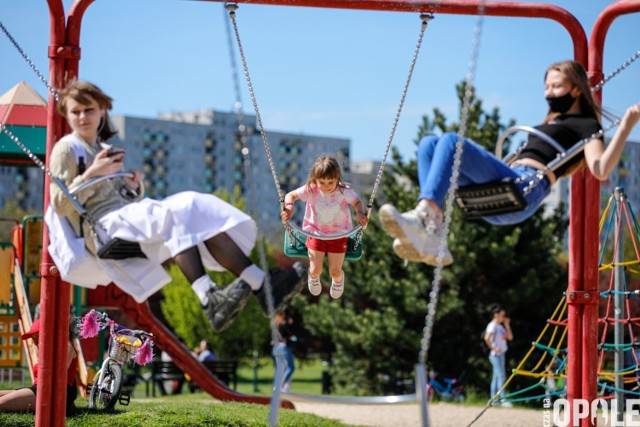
(83,92)
(576,74)
(326,167)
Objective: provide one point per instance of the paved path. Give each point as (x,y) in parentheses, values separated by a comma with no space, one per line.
(408,415)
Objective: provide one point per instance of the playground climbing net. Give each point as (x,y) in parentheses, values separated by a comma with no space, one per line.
(541,374)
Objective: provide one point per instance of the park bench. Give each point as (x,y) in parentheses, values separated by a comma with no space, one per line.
(224,370)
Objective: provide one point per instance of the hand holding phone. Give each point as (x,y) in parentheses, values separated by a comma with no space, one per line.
(113,150)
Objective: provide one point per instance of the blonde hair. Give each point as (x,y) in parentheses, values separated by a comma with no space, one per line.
(325,167)
(577,76)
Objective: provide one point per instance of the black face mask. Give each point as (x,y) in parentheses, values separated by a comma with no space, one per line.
(561,104)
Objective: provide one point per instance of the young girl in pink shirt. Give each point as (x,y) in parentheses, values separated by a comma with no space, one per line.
(327,213)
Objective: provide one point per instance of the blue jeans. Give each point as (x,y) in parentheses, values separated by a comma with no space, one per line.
(478,166)
(289,366)
(288,372)
(499,372)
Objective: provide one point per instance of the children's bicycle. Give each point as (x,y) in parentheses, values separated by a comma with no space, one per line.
(124,345)
(450,391)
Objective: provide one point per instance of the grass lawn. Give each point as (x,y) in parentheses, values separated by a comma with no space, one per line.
(180,410)
(198,409)
(306,378)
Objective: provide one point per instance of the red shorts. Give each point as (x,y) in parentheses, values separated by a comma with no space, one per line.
(337,246)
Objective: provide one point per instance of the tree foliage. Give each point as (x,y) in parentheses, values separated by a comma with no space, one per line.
(374,332)
(10,216)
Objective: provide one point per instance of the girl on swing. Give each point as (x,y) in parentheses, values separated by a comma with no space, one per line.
(327,212)
(195,230)
(573,116)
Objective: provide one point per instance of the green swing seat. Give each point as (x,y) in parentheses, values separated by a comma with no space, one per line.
(297,248)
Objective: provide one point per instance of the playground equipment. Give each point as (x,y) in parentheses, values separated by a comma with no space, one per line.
(618,359)
(64,59)
(295,237)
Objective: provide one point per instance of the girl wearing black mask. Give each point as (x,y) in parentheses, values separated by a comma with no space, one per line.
(573,116)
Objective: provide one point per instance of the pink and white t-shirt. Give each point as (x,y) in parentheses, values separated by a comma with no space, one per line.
(327,214)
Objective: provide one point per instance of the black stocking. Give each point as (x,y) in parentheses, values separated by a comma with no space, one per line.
(228,254)
(190,264)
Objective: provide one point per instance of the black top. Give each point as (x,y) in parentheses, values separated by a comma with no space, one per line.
(566,130)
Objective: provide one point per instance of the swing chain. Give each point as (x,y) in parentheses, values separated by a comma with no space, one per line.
(425,18)
(79,208)
(540,174)
(26,149)
(534,179)
(455,173)
(232,7)
(29,61)
(616,71)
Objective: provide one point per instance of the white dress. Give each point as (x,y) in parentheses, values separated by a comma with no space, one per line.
(163,228)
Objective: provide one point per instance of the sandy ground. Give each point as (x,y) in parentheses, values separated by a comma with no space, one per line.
(408,415)
(444,415)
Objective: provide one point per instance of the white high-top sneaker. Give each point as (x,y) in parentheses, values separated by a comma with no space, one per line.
(418,234)
(315,287)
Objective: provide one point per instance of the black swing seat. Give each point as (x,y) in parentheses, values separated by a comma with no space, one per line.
(120,249)
(503,196)
(492,198)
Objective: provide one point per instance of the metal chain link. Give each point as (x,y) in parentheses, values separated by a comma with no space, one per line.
(540,174)
(231,7)
(81,209)
(53,92)
(455,173)
(276,337)
(615,121)
(425,18)
(26,149)
(628,62)
(246,153)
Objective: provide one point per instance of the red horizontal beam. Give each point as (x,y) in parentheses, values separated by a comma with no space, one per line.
(454,7)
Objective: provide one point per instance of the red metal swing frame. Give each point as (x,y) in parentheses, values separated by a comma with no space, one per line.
(64,54)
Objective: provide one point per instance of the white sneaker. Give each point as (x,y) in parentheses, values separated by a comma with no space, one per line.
(418,232)
(315,287)
(406,251)
(337,288)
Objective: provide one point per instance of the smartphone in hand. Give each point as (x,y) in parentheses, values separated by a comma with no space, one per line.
(113,150)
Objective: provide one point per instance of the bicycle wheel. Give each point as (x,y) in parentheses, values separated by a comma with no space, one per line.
(104,396)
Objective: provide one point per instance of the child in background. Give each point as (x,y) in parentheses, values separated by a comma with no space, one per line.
(327,213)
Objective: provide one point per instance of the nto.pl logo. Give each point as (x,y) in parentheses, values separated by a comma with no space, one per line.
(565,413)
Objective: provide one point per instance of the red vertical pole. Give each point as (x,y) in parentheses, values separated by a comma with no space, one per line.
(590,329)
(55,293)
(575,312)
(54,309)
(590,295)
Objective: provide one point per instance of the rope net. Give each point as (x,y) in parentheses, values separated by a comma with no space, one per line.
(542,372)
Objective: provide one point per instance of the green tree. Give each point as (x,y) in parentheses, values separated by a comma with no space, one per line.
(374,331)
(11,215)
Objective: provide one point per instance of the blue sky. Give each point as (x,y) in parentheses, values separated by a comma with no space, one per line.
(316,71)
